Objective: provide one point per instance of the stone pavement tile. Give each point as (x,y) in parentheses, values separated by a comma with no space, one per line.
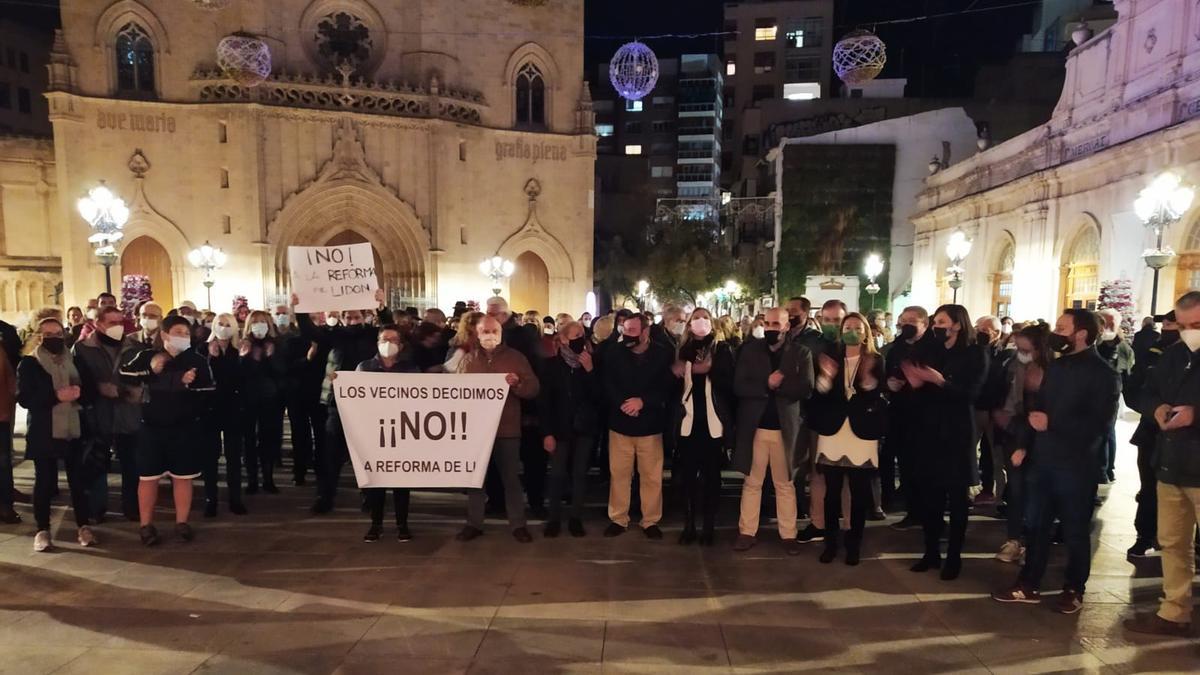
(461,597)
(1018,655)
(559,601)
(52,626)
(36,657)
(311,661)
(661,668)
(981,614)
(172,625)
(536,664)
(553,640)
(107,661)
(681,644)
(237,594)
(891,651)
(357,664)
(781,648)
(442,637)
(1141,654)
(296,632)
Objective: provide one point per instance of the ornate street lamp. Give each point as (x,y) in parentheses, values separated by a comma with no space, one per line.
(1159,205)
(873,268)
(497,269)
(643,289)
(107,214)
(733,291)
(957,250)
(207,258)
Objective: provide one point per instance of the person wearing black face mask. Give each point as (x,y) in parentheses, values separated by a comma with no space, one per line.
(705,367)
(1065,432)
(946,384)
(1145,522)
(904,434)
(568,412)
(48,386)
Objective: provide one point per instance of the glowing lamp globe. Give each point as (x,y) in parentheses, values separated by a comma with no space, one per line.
(859,57)
(244,58)
(633,71)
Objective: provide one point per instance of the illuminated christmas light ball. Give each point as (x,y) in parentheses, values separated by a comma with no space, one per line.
(633,70)
(859,57)
(244,58)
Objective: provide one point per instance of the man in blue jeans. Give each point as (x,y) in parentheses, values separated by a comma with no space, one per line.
(1066,433)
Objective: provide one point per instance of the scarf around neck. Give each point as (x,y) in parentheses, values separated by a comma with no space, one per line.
(64,416)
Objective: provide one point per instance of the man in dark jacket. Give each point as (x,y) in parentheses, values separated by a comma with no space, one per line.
(899,447)
(991,399)
(568,411)
(637,377)
(1145,338)
(1145,437)
(773,378)
(111,407)
(1171,398)
(1075,410)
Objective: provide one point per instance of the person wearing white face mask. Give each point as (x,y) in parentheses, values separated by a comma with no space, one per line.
(263,370)
(223,433)
(112,410)
(178,382)
(391,358)
(150,316)
(1116,350)
(705,365)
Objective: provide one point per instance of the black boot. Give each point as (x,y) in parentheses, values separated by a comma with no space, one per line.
(268,482)
(831,544)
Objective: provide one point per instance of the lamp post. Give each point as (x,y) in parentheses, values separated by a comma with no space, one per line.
(497,269)
(643,288)
(1160,204)
(957,250)
(106,214)
(207,258)
(733,291)
(873,268)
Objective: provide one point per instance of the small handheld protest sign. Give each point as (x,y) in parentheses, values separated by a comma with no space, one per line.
(328,278)
(420,430)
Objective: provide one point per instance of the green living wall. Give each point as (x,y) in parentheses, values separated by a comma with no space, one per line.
(835,196)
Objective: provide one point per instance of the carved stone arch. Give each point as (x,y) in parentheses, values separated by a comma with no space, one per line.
(325,208)
(1081,225)
(1079,281)
(116,17)
(364,10)
(1005,246)
(532,52)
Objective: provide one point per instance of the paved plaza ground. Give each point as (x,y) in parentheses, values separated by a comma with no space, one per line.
(281,591)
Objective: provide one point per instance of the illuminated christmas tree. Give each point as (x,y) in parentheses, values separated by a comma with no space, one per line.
(135,289)
(1118,295)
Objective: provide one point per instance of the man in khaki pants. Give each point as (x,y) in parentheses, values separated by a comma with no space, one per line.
(772,379)
(1171,396)
(637,379)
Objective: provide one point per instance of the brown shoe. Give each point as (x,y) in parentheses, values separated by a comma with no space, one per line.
(1151,623)
(744,542)
(1069,602)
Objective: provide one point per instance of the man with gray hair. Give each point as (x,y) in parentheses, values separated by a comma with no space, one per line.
(1172,393)
(1116,350)
(991,398)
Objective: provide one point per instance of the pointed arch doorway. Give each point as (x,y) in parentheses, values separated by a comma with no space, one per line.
(144,255)
(530,284)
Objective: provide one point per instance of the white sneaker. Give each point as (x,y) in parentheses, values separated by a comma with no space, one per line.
(41,541)
(87,537)
(1011,552)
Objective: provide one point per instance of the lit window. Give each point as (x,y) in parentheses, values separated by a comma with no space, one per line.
(801,91)
(604,130)
(731,68)
(662,171)
(633,149)
(633,106)
(765,34)
(795,38)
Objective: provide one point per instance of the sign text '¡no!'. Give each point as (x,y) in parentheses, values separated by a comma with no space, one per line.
(136,122)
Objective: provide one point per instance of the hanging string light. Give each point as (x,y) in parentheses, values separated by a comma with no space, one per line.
(633,70)
(859,57)
(244,58)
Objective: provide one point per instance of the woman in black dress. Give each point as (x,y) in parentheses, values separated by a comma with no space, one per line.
(947,377)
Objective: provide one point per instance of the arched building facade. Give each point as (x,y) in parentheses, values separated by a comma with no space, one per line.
(385,122)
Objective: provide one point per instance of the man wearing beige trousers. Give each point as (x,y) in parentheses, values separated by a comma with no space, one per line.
(774,376)
(637,378)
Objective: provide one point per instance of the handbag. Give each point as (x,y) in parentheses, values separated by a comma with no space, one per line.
(868,413)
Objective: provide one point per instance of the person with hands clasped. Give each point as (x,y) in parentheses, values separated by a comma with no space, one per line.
(223,430)
(492,356)
(849,414)
(568,410)
(176,383)
(48,386)
(705,364)
(1067,429)
(772,380)
(264,368)
(946,379)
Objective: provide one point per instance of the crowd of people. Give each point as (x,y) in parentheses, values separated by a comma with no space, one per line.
(852,416)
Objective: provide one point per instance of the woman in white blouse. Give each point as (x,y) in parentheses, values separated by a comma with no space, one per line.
(845,412)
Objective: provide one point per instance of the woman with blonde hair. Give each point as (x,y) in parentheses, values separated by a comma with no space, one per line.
(224,430)
(463,341)
(263,368)
(847,411)
(728,331)
(705,364)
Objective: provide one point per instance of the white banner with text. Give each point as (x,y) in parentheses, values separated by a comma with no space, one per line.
(328,278)
(419,430)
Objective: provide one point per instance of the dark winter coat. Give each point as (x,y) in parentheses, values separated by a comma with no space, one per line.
(945,416)
(750,387)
